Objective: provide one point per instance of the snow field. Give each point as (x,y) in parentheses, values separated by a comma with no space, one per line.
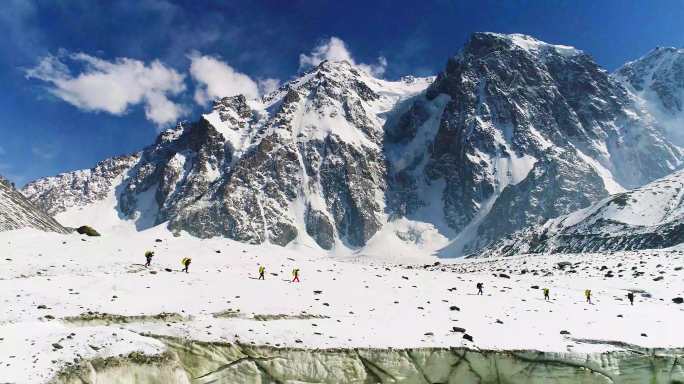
(50,281)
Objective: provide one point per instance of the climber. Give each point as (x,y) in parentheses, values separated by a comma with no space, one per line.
(148,257)
(479,288)
(630,297)
(262,270)
(587,294)
(186,263)
(546,294)
(295,274)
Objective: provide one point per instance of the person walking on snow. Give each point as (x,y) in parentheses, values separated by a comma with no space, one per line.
(479,288)
(295,274)
(630,297)
(587,294)
(546,294)
(262,270)
(148,258)
(186,263)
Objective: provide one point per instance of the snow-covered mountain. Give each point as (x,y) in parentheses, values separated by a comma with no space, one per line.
(531,131)
(513,132)
(648,217)
(17,212)
(305,162)
(657,79)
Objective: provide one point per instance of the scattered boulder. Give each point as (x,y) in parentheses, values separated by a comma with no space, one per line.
(564,332)
(458,329)
(454,308)
(467,337)
(563,264)
(504,276)
(678,300)
(87,230)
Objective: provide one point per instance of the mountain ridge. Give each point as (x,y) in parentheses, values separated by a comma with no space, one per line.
(513,132)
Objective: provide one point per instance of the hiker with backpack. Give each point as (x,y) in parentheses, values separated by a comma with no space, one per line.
(630,297)
(186,264)
(262,271)
(587,295)
(479,287)
(148,258)
(295,274)
(546,294)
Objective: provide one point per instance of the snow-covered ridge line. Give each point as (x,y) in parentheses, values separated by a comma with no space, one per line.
(531,44)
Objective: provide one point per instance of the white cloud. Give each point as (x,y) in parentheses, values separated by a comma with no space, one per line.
(216,79)
(268,85)
(113,86)
(335,49)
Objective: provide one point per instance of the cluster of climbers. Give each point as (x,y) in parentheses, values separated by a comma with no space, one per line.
(295,274)
(295,278)
(546,292)
(185,262)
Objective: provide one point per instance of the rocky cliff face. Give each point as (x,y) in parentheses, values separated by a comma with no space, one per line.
(530,131)
(644,218)
(513,132)
(17,212)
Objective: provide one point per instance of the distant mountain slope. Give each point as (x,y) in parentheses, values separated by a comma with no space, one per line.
(17,212)
(78,188)
(657,79)
(648,217)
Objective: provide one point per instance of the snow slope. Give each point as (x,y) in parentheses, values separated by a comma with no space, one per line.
(68,297)
(648,217)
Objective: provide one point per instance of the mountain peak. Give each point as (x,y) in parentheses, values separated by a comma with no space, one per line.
(519,41)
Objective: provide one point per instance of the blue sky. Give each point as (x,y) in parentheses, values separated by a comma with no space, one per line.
(85,80)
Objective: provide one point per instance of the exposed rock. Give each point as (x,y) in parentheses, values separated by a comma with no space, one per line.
(16,212)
